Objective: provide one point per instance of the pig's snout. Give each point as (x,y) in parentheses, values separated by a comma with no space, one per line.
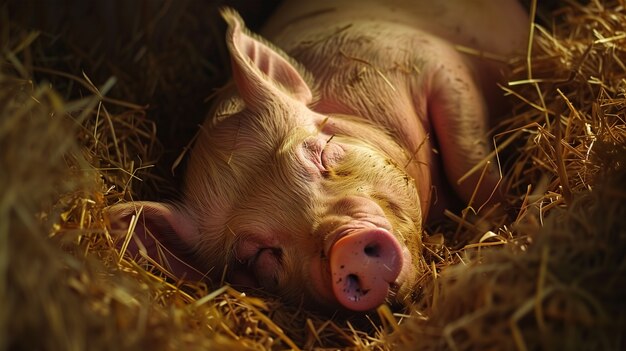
(363,264)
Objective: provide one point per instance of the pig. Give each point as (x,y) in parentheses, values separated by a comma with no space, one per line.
(313,177)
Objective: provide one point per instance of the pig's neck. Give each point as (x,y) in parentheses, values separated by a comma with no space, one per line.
(371,76)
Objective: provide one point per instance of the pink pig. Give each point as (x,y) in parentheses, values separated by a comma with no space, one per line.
(314,176)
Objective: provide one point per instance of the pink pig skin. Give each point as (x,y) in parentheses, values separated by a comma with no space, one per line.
(356,48)
(314,174)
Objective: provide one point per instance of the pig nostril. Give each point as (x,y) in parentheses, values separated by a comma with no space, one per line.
(363,265)
(353,289)
(352,280)
(372,250)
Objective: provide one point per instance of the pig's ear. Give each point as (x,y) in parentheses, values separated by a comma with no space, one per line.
(261,72)
(163,232)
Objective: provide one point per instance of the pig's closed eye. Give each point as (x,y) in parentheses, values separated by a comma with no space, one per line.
(266,265)
(331,154)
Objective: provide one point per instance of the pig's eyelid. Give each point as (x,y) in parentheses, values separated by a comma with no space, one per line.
(236,254)
(276,252)
(321,126)
(241,237)
(250,262)
(321,155)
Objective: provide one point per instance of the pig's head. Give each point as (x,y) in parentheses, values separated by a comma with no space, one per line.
(315,208)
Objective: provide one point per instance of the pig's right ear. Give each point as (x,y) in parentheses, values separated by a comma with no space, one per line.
(261,72)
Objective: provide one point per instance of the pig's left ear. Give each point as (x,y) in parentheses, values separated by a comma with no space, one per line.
(162,232)
(261,72)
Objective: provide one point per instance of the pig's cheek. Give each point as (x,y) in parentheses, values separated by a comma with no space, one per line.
(320,280)
(408,271)
(241,277)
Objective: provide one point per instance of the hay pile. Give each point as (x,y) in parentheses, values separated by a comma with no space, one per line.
(550,272)
(556,277)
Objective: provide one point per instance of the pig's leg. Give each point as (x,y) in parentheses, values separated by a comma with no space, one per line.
(458,114)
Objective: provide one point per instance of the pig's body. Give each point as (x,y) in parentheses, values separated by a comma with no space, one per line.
(497,29)
(388,61)
(313,182)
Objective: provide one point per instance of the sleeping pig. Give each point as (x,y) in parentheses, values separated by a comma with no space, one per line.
(314,175)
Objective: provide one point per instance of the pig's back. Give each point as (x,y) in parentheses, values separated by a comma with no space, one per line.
(496,27)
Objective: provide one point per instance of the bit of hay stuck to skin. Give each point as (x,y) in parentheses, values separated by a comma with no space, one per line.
(544,269)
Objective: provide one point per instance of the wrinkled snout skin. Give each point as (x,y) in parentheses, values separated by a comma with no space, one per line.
(314,175)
